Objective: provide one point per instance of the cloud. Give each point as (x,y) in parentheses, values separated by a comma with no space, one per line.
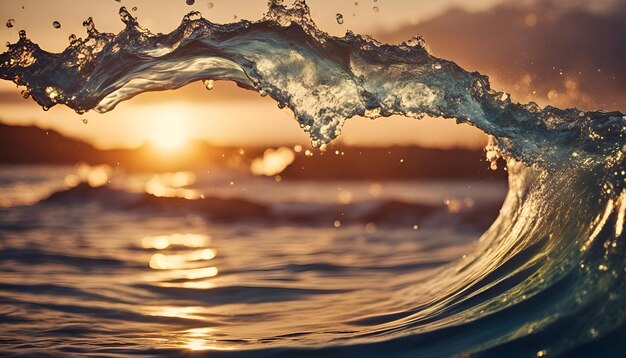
(553,52)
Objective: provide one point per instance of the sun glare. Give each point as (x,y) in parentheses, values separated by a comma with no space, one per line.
(168,133)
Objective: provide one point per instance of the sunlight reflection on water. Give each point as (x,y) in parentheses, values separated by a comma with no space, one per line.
(172,185)
(173,279)
(185,265)
(164,241)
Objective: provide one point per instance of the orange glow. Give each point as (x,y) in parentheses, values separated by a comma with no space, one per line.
(273,161)
(95,176)
(169,133)
(167,262)
(164,241)
(172,185)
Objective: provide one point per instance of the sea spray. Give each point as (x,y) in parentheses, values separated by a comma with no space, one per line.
(323,79)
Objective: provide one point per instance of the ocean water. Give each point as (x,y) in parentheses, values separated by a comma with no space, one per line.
(113,270)
(540,274)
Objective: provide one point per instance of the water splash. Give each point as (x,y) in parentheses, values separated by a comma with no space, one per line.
(323,79)
(339,18)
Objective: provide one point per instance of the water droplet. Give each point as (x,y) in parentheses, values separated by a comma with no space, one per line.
(339,18)
(415,227)
(375,8)
(191,2)
(356,3)
(209,84)
(134,8)
(210,5)
(56,25)
(52,93)
(10,23)
(603,267)
(193,16)
(85,120)
(337,224)
(90,26)
(542,353)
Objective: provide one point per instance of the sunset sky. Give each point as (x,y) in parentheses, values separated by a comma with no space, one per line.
(531,66)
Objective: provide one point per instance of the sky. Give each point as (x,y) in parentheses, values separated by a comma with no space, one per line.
(566,53)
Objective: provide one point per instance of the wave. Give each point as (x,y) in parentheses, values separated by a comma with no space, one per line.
(323,79)
(386,212)
(547,277)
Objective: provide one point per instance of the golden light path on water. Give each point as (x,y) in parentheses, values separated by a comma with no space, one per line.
(188,261)
(188,267)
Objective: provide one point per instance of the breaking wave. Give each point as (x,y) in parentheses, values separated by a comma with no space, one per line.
(546,278)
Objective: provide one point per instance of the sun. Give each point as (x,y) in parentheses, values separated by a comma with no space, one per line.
(168,133)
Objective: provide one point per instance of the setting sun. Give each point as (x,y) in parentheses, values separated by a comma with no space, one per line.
(168,133)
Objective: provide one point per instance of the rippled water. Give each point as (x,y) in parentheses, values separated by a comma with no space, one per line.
(81,274)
